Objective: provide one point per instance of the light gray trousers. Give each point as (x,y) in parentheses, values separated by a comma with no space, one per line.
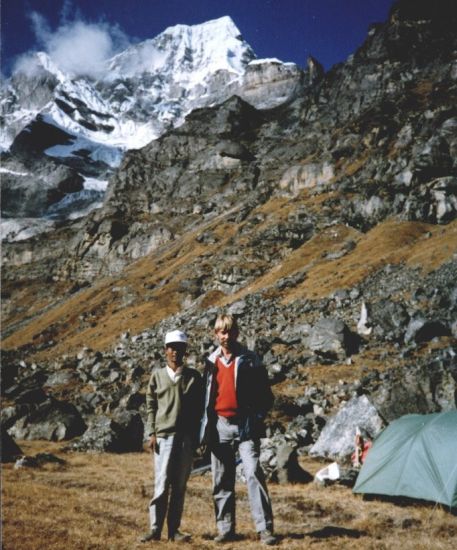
(223,467)
(172,465)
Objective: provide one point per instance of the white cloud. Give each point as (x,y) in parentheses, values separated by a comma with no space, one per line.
(28,65)
(77,47)
(80,48)
(40,27)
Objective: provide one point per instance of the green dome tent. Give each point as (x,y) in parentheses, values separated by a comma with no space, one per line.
(415,456)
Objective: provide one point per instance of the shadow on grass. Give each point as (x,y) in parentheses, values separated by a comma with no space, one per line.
(236,538)
(325,533)
(334,531)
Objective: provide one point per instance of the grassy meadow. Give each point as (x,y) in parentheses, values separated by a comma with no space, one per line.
(99,501)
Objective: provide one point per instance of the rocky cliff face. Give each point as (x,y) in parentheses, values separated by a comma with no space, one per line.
(326,221)
(378,131)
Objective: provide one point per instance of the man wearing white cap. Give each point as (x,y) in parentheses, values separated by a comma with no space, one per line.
(173,404)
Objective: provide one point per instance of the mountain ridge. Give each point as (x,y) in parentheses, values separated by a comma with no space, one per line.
(140,93)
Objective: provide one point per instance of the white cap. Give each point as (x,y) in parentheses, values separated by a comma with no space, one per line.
(175,336)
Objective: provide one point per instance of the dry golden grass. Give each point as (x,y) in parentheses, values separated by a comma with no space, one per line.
(149,289)
(99,501)
(391,242)
(152,284)
(394,242)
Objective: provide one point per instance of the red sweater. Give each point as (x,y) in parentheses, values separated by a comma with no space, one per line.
(226,402)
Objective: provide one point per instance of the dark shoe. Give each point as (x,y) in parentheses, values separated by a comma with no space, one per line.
(224,537)
(150,535)
(267,538)
(179,537)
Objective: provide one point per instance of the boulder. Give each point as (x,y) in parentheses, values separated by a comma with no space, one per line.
(38,460)
(51,420)
(60,378)
(133,401)
(422,389)
(442,195)
(8,372)
(336,440)
(331,339)
(287,467)
(10,449)
(389,319)
(279,461)
(423,330)
(120,434)
(434,202)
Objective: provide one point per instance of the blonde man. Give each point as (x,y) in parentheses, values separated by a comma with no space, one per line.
(238,397)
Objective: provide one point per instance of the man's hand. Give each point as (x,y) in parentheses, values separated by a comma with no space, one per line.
(152,443)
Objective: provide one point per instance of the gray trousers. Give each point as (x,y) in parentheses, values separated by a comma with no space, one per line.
(172,465)
(223,467)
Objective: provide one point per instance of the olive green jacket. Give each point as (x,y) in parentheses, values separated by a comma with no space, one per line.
(174,407)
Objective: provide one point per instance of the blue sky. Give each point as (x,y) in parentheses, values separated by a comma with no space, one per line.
(290,30)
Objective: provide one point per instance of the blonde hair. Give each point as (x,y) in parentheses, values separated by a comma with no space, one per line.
(226,322)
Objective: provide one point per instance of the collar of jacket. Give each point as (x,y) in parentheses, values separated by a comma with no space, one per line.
(238,352)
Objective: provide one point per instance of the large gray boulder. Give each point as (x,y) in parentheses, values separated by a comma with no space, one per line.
(332,339)
(51,420)
(288,470)
(418,389)
(423,330)
(389,319)
(337,438)
(120,434)
(279,460)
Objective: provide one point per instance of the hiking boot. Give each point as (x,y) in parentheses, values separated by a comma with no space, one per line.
(267,538)
(224,537)
(179,537)
(150,535)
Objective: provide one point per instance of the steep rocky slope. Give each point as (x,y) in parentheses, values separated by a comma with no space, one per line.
(327,224)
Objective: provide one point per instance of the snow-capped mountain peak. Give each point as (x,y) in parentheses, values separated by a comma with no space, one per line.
(88,124)
(36,64)
(184,50)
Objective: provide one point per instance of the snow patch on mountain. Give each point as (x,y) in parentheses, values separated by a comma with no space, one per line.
(13,123)
(94,184)
(20,229)
(76,205)
(13,172)
(81,146)
(266,60)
